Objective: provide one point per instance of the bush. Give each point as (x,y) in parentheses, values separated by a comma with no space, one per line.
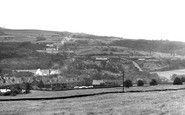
(183,79)
(177,81)
(16,89)
(27,87)
(140,83)
(128,83)
(153,82)
(40,84)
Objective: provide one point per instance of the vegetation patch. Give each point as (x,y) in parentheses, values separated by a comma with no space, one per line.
(177,81)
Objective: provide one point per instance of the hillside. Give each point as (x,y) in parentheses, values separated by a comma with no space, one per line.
(33,35)
(16,53)
(165,46)
(50,36)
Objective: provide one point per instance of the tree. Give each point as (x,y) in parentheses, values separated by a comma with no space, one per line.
(27,88)
(40,84)
(128,83)
(140,83)
(177,81)
(183,79)
(153,82)
(174,76)
(16,89)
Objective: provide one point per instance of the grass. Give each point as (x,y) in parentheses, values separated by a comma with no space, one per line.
(155,103)
(53,94)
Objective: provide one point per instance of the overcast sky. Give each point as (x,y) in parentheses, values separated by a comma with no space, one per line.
(134,19)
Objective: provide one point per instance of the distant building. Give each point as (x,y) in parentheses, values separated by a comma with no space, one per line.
(106,83)
(97,82)
(62,82)
(101,59)
(52,50)
(140,57)
(8,81)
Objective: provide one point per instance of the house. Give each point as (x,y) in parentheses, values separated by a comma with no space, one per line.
(39,73)
(10,81)
(106,83)
(112,83)
(52,50)
(28,79)
(60,83)
(97,82)
(110,73)
(101,59)
(141,58)
(54,72)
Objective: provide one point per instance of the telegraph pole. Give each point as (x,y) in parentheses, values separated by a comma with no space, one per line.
(123,76)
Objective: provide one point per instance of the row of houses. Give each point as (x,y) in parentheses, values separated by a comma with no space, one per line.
(42,81)
(55,83)
(7,81)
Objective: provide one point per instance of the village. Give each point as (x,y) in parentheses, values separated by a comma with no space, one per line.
(85,66)
(92,57)
(69,63)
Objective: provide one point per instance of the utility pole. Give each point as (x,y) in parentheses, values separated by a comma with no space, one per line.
(49,73)
(123,76)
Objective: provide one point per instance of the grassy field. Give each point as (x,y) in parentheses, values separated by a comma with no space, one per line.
(53,94)
(146,103)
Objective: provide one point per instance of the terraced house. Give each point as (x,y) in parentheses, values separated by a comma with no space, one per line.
(11,81)
(59,83)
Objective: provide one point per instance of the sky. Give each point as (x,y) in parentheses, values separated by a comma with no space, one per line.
(132,19)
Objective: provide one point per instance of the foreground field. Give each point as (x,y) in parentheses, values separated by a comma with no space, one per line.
(155,103)
(55,94)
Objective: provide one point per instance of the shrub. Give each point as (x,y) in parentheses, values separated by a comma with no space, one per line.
(153,82)
(26,87)
(177,81)
(16,89)
(140,83)
(40,84)
(183,79)
(128,83)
